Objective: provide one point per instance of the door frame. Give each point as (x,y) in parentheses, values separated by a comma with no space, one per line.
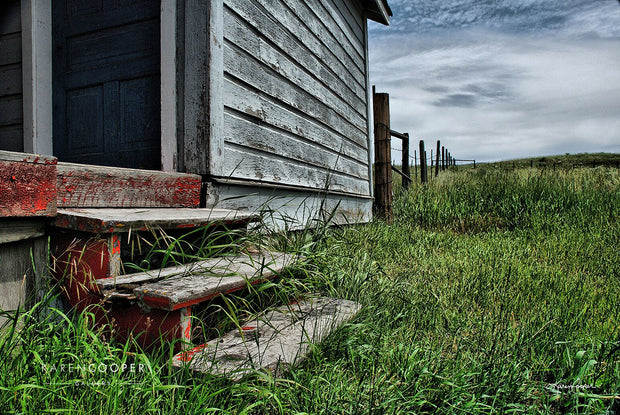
(37,75)
(184,140)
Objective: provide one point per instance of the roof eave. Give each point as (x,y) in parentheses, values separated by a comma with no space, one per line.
(379,11)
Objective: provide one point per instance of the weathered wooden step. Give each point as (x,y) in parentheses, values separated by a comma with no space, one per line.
(112,220)
(274,340)
(81,185)
(177,287)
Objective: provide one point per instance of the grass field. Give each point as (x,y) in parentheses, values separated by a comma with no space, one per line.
(494,291)
(563,161)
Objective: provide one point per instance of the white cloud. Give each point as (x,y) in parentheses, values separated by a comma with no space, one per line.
(493,96)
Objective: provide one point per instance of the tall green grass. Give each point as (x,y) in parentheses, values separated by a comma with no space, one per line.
(492,292)
(496,287)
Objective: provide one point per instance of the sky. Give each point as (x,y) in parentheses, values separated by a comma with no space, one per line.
(501,79)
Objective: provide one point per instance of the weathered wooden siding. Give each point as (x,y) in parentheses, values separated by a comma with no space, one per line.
(23,262)
(291,208)
(11,118)
(295,108)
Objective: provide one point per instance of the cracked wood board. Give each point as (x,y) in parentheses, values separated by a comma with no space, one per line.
(206,281)
(91,186)
(27,185)
(219,266)
(275,340)
(109,220)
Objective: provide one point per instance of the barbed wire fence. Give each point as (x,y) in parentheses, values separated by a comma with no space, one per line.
(440,160)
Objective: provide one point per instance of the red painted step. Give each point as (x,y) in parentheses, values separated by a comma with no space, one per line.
(182,286)
(87,247)
(27,185)
(87,186)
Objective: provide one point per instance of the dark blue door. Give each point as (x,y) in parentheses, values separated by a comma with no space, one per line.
(106,82)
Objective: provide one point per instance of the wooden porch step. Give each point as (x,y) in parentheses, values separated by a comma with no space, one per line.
(111,220)
(275,340)
(27,185)
(81,185)
(182,286)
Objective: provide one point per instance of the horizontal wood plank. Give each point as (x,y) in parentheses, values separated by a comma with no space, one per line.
(343,101)
(11,17)
(109,47)
(240,131)
(275,340)
(217,266)
(246,68)
(266,110)
(11,110)
(252,18)
(98,186)
(11,80)
(291,208)
(355,8)
(349,51)
(244,163)
(300,44)
(82,18)
(344,10)
(12,137)
(109,220)
(308,29)
(27,185)
(204,281)
(29,158)
(13,230)
(11,47)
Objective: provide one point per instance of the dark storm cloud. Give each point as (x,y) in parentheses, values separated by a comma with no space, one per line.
(456,100)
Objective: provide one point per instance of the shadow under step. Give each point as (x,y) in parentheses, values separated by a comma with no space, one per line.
(275,340)
(98,242)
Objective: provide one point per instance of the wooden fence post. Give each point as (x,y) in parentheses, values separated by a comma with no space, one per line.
(422,162)
(443,158)
(437,160)
(415,164)
(383,156)
(405,161)
(431,166)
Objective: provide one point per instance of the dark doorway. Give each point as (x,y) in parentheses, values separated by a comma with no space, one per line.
(106,82)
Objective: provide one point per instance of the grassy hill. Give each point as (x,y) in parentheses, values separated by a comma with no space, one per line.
(563,161)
